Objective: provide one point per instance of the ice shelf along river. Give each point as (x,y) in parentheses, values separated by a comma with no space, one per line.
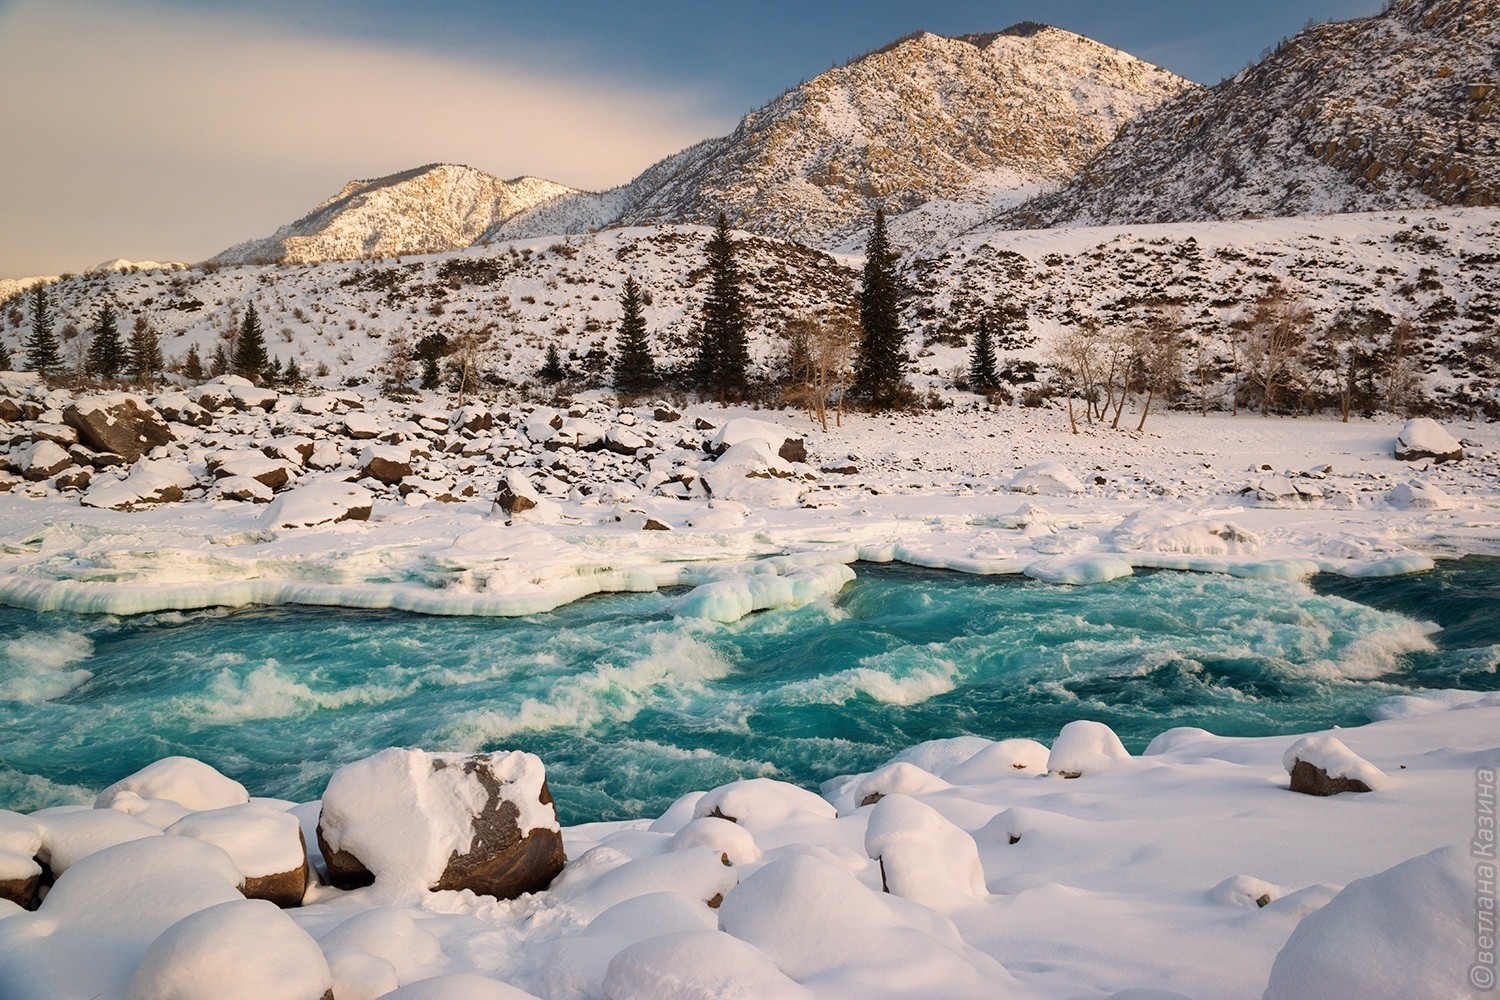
(630,707)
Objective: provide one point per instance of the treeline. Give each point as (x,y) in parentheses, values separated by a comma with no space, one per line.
(102,356)
(829,356)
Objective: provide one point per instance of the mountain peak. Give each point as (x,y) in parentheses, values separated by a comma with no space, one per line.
(426,209)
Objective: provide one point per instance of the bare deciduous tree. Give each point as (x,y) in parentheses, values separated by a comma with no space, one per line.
(822,352)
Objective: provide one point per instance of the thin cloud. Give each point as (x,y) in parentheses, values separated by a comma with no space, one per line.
(138,132)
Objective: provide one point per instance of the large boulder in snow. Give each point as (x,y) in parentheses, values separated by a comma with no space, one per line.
(1406,932)
(1046,478)
(922,855)
(1424,437)
(386,463)
(1323,765)
(118,422)
(149,483)
(442,821)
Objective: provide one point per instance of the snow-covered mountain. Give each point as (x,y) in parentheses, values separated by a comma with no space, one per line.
(1395,111)
(427,210)
(944,130)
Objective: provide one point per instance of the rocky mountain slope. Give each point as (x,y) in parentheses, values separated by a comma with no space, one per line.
(427,210)
(1434,269)
(1395,111)
(951,126)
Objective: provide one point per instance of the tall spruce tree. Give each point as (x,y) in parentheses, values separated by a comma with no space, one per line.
(250,360)
(42,355)
(982,374)
(145,361)
(881,373)
(106,351)
(722,365)
(192,365)
(635,369)
(552,369)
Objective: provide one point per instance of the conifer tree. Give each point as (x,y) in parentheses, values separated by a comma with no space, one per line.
(722,365)
(144,358)
(42,355)
(431,372)
(192,365)
(881,373)
(552,368)
(272,374)
(635,369)
(292,376)
(219,364)
(250,359)
(106,358)
(982,374)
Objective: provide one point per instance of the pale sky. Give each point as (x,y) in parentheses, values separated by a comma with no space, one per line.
(171,129)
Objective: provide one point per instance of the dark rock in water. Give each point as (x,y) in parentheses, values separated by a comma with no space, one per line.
(1312,780)
(121,423)
(793,450)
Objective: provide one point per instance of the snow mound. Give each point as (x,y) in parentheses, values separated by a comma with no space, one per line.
(262,839)
(923,857)
(1046,478)
(1405,932)
(1417,495)
(696,964)
(188,782)
(327,502)
(731,599)
(1083,747)
(762,803)
(735,844)
(1007,758)
(242,950)
(896,778)
(1080,569)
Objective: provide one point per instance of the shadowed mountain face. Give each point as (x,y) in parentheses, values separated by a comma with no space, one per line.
(1395,111)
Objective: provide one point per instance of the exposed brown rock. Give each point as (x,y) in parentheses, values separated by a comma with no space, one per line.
(285,889)
(127,426)
(1312,780)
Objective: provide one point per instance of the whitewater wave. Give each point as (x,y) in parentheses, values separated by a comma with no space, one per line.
(42,666)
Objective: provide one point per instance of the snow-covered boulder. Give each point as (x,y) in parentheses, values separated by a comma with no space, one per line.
(1407,932)
(361,426)
(149,483)
(240,950)
(779,441)
(179,409)
(518,500)
(734,843)
(750,471)
(697,963)
(442,821)
(1282,491)
(896,778)
(1423,437)
(327,502)
(763,803)
(254,397)
(43,460)
(1323,765)
(89,935)
(188,782)
(1084,747)
(265,843)
(20,875)
(274,473)
(1046,478)
(1007,758)
(118,422)
(385,463)
(922,855)
(1417,495)
(244,489)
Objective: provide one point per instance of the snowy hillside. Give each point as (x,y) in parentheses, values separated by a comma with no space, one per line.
(1434,269)
(426,210)
(519,297)
(957,126)
(1395,111)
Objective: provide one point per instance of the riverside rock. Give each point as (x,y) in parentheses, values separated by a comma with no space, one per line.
(437,821)
(1423,437)
(118,422)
